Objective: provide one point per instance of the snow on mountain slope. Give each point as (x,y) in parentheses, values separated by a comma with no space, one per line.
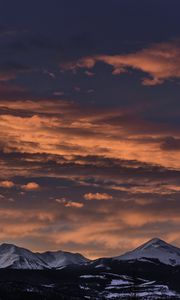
(154,249)
(59,259)
(14,257)
(116,286)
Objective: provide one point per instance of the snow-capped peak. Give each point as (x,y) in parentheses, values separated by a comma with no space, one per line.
(154,243)
(154,249)
(14,257)
(59,259)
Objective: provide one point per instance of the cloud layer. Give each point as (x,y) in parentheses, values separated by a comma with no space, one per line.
(160,62)
(86,178)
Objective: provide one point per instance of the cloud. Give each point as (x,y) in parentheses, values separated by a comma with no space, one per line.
(7,184)
(89,73)
(74,204)
(159,61)
(50,74)
(76,132)
(83,157)
(10,91)
(6,76)
(67,203)
(174,188)
(17,222)
(113,223)
(10,70)
(31,186)
(170,144)
(63,128)
(97,196)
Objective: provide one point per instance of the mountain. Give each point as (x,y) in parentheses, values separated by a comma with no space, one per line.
(152,271)
(14,257)
(59,259)
(154,249)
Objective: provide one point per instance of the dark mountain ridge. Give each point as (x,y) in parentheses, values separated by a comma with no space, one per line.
(63,275)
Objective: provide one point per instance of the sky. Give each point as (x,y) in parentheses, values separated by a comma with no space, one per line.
(89,124)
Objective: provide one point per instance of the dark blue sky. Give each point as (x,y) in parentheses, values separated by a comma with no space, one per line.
(40,35)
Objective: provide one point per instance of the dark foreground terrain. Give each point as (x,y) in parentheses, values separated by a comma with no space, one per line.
(101,279)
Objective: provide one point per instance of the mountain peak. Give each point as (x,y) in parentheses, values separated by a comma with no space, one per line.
(7,245)
(154,249)
(59,259)
(12,256)
(155,242)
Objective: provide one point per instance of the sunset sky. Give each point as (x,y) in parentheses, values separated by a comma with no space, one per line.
(89,124)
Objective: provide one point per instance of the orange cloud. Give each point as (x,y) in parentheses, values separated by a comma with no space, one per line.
(149,188)
(160,61)
(111,228)
(67,203)
(31,186)
(66,129)
(121,231)
(74,204)
(17,223)
(7,184)
(97,196)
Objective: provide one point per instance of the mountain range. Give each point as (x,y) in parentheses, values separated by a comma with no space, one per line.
(151,271)
(14,257)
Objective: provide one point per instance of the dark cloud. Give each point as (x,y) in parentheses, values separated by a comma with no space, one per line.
(170,144)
